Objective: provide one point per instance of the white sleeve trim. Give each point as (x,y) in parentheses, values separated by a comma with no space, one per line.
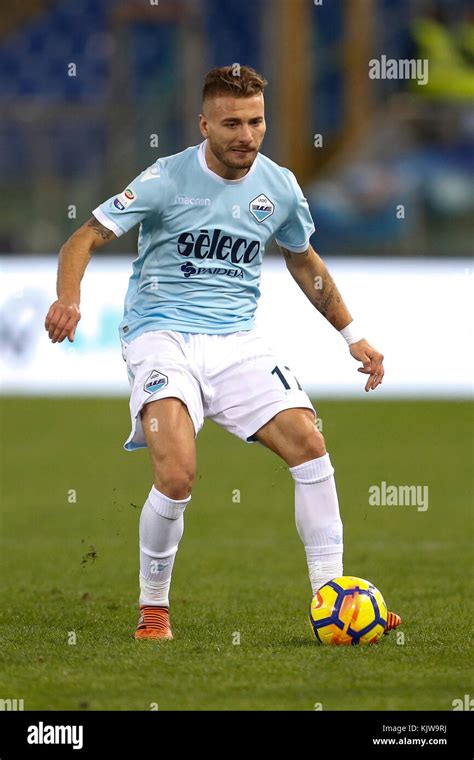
(103,219)
(295,248)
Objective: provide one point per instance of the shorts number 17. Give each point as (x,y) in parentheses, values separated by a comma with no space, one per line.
(277,371)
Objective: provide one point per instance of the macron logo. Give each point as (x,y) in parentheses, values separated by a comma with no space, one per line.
(185,201)
(42,734)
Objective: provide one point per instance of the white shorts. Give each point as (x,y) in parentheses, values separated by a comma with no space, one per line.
(234,379)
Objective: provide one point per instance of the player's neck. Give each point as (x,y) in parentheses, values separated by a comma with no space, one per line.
(220,169)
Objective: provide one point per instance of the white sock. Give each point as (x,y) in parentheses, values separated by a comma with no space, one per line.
(318,521)
(161,529)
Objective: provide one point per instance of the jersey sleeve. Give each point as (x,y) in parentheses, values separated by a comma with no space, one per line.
(295,232)
(143,196)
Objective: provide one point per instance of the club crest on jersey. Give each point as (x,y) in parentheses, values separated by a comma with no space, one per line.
(261,208)
(124,200)
(155,381)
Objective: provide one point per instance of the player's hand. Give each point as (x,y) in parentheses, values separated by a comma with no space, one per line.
(372,361)
(61,320)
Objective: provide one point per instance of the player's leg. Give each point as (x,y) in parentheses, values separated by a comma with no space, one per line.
(166,415)
(170,438)
(169,435)
(293,435)
(257,397)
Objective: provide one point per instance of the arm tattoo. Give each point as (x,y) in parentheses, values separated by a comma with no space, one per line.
(290,256)
(318,285)
(99,229)
(327,296)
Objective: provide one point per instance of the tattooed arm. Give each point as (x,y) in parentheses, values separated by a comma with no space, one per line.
(311,274)
(74,256)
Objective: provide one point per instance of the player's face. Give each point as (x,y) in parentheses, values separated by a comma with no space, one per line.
(234,128)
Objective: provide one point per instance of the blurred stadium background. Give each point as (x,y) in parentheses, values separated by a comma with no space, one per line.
(69,139)
(389,182)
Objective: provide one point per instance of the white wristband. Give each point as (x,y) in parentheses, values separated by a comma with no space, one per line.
(351,333)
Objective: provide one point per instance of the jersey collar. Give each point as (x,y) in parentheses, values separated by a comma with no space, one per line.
(205,168)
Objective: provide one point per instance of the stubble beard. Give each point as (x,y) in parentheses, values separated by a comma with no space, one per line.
(225,157)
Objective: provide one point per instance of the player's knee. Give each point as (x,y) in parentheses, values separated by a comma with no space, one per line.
(309,445)
(315,445)
(175,481)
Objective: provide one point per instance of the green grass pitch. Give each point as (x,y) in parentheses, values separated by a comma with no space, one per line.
(240,570)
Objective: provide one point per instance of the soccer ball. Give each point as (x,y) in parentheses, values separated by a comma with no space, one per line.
(348,610)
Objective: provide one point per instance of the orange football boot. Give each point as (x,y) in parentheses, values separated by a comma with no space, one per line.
(153,623)
(393,621)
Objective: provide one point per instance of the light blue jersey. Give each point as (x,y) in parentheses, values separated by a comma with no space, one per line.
(202,240)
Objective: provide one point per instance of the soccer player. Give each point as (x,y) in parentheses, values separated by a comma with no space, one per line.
(188,336)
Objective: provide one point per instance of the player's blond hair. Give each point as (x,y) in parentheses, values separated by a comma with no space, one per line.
(239,81)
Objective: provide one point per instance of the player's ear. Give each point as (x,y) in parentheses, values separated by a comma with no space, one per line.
(203,125)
